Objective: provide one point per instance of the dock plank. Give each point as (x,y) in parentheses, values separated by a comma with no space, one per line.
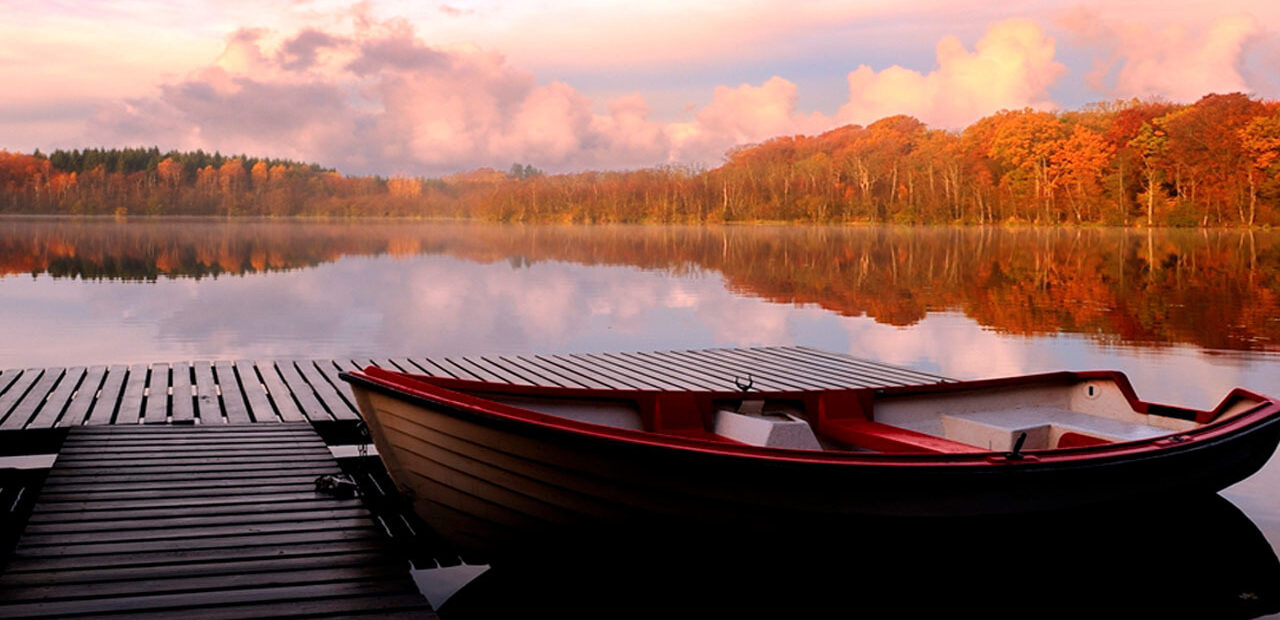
(77,412)
(432,367)
(255,393)
(466,369)
(197,601)
(175,558)
(629,368)
(105,532)
(7,377)
(851,372)
(55,405)
(549,367)
(104,406)
(874,369)
(19,389)
(528,375)
(233,402)
(404,364)
(21,578)
(132,477)
(143,439)
(157,410)
(339,407)
(690,378)
(330,370)
(741,364)
(129,411)
(730,372)
(217,581)
(25,409)
(208,402)
(610,376)
(280,395)
(144,490)
(183,409)
(302,392)
(825,375)
(493,371)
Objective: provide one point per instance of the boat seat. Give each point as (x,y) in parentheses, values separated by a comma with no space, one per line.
(863,433)
(998,429)
(756,428)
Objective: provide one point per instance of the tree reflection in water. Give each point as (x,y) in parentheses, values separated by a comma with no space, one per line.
(1217,290)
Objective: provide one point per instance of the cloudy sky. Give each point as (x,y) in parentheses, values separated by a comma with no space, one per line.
(425,88)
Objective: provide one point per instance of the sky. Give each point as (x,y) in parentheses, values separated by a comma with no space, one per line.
(420,88)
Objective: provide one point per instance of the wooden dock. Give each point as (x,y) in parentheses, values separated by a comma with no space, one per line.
(240,392)
(203,522)
(188,489)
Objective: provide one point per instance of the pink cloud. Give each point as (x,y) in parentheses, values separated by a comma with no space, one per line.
(1012,66)
(742,115)
(380,99)
(1180,61)
(374,97)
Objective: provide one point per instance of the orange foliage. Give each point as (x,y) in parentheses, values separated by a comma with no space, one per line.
(1214,163)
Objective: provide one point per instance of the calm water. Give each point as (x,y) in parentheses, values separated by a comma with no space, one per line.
(1186,314)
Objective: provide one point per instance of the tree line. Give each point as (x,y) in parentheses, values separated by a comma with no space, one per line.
(1151,163)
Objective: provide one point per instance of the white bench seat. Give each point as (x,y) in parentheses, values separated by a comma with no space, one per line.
(997,430)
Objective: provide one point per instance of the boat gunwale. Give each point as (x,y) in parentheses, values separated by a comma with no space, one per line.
(421,389)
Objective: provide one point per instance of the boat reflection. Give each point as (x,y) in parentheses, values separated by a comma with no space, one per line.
(1198,558)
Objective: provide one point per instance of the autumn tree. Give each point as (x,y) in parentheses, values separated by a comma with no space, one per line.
(1077,166)
(1026,141)
(1135,159)
(1260,140)
(1204,140)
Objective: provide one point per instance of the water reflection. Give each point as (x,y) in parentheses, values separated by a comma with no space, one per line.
(1201,558)
(1217,290)
(959,302)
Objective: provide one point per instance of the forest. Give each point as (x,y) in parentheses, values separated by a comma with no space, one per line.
(1214,163)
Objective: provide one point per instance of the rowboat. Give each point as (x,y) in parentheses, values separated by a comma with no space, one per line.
(496,467)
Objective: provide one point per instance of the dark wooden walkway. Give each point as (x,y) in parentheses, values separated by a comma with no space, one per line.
(201,522)
(226,392)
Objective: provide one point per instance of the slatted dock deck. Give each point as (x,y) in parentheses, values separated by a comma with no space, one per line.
(227,392)
(202,522)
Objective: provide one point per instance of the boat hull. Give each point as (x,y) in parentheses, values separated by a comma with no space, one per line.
(495,484)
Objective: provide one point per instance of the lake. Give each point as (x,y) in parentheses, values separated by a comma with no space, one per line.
(1187,314)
